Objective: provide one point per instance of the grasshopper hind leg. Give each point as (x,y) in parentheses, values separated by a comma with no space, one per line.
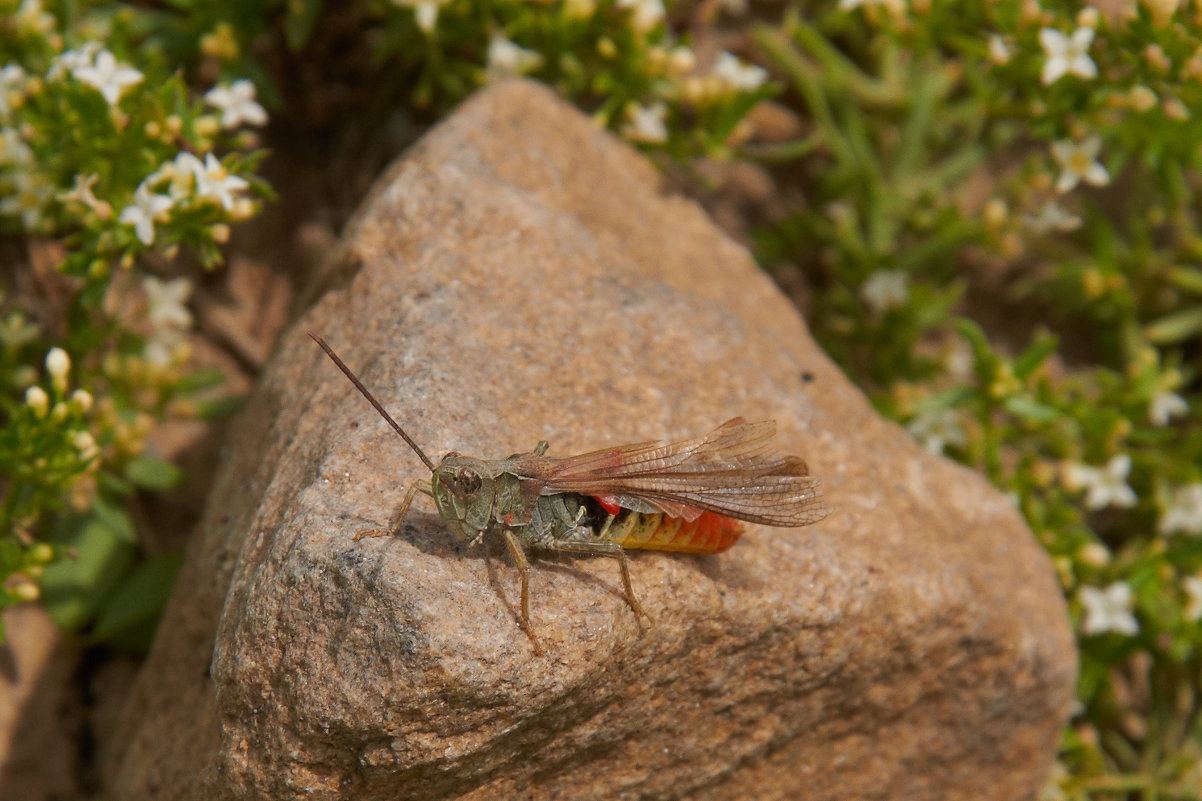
(598,547)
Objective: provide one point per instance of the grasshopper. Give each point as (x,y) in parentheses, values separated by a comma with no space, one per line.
(684,496)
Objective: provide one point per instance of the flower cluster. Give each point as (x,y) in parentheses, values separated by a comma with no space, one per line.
(654,90)
(109,154)
(960,161)
(187,181)
(61,175)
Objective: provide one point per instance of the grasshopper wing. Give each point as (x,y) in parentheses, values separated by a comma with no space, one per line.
(733,471)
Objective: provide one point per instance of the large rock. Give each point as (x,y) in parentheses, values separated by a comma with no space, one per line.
(39,715)
(517,277)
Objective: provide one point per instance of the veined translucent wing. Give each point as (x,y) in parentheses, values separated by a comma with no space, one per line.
(733,471)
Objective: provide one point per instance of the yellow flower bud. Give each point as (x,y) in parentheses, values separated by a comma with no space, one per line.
(1141,98)
(82,400)
(26,591)
(996,212)
(207,125)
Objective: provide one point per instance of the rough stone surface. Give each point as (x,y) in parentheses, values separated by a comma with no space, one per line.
(37,734)
(518,277)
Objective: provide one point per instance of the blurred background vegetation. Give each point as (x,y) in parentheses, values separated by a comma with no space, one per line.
(987,212)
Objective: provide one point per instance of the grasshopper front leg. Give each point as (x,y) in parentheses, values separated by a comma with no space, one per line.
(394,528)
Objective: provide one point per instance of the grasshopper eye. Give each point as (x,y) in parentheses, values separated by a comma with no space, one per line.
(469,481)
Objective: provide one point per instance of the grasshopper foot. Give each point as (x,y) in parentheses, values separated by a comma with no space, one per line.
(372,532)
(525,627)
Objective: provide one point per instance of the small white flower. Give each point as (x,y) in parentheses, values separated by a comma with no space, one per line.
(647,14)
(159,349)
(1053,217)
(1067,54)
(886,289)
(81,193)
(1185,512)
(37,399)
(647,123)
(12,80)
(1165,406)
(744,77)
(1108,609)
(146,209)
(31,193)
(13,149)
(959,360)
(1193,598)
(681,60)
(69,61)
(425,11)
(1079,162)
(1106,486)
(938,429)
(166,301)
(108,76)
(237,104)
(214,182)
(999,54)
(58,365)
(184,172)
(32,19)
(506,57)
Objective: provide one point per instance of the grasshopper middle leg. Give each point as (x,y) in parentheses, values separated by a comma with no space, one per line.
(518,554)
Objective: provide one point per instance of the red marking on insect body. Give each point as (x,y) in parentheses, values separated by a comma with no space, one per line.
(609,503)
(709,533)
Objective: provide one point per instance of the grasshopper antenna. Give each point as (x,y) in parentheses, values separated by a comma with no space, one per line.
(371,399)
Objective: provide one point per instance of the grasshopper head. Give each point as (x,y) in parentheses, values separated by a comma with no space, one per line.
(464,490)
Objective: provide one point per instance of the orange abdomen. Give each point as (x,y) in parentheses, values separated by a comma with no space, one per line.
(709,533)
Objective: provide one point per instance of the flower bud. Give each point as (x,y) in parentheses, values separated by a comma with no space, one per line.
(37,399)
(58,364)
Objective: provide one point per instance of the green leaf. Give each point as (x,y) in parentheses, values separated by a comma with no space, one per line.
(219,408)
(204,378)
(153,474)
(74,587)
(1187,278)
(115,518)
(1174,328)
(298,25)
(1027,409)
(975,337)
(1044,346)
(141,597)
